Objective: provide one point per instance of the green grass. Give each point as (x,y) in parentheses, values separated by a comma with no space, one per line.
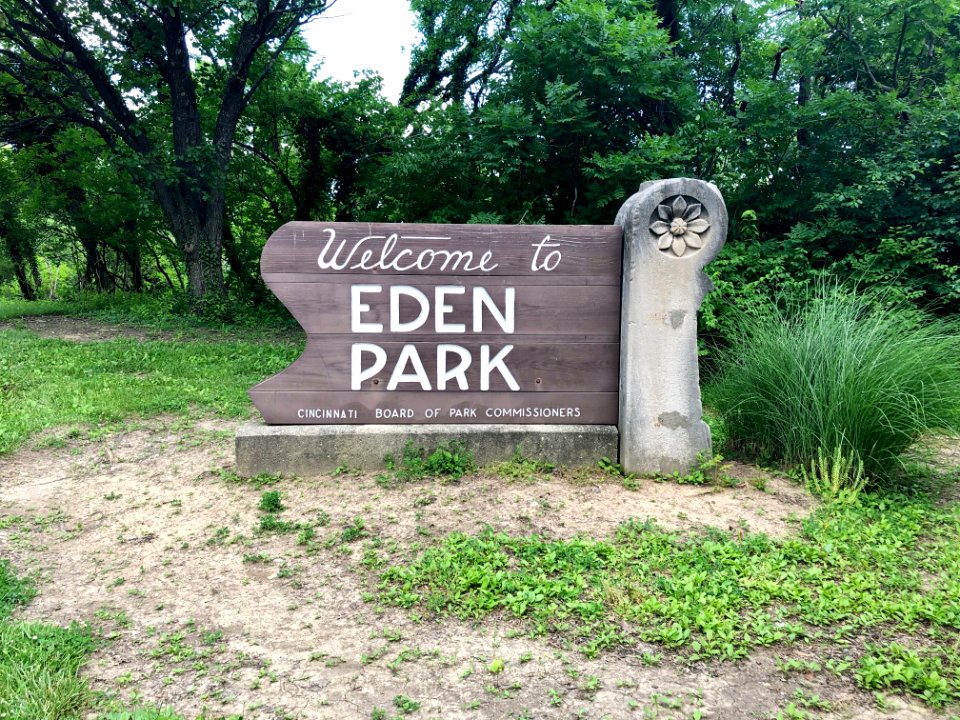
(160,311)
(46,383)
(14,591)
(887,564)
(845,369)
(39,664)
(39,671)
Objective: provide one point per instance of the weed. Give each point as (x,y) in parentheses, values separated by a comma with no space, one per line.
(798,665)
(271,502)
(519,467)
(14,591)
(837,478)
(851,567)
(405,705)
(256,558)
(219,537)
(449,461)
(931,674)
(630,480)
(709,471)
(257,481)
(496,666)
(354,531)
(270,523)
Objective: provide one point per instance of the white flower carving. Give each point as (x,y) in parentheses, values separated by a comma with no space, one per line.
(679,227)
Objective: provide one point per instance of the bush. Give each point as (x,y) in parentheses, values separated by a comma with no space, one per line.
(843,369)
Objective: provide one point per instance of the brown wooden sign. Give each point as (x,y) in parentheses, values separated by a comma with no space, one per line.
(447,323)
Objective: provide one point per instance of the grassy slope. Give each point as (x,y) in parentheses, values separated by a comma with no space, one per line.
(46,383)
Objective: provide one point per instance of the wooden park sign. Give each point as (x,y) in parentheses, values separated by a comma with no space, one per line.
(447,323)
(416,324)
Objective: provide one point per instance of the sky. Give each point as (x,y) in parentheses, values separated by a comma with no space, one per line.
(356,35)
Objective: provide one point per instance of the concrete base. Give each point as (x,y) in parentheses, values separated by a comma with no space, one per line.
(314,449)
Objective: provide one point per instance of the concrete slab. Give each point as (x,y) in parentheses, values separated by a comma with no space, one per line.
(313,449)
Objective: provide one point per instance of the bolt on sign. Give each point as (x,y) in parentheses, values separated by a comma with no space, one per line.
(447,323)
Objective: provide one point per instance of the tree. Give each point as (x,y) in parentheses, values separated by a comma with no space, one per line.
(165,82)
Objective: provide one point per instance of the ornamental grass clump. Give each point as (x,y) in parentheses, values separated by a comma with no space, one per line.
(842,369)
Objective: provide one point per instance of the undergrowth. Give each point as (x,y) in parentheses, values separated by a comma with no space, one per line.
(888,564)
(448,461)
(520,467)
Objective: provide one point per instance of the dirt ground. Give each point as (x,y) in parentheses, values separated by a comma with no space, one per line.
(138,533)
(80,330)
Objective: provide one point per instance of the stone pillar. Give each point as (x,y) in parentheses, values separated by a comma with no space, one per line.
(671,230)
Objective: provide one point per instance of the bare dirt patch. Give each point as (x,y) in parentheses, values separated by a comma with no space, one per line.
(80,330)
(139,534)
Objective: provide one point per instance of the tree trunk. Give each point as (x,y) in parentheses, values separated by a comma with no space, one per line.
(131,256)
(240,265)
(202,256)
(95,270)
(199,236)
(21,264)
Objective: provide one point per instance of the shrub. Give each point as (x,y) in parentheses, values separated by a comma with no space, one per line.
(844,369)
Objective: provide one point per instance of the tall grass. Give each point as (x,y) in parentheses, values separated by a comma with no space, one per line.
(843,368)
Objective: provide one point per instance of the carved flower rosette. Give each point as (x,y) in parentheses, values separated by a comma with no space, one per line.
(678,226)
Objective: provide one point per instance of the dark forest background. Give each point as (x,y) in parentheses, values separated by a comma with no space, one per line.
(152,147)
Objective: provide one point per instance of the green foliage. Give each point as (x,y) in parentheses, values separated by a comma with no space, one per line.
(842,370)
(271,501)
(46,383)
(837,478)
(14,591)
(449,461)
(40,671)
(932,674)
(520,467)
(886,564)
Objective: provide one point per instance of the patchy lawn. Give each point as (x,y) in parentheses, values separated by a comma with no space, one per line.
(206,607)
(131,550)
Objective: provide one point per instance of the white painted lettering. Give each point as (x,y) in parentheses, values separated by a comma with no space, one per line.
(409,355)
(442,308)
(553,256)
(459,373)
(357,373)
(487,366)
(505,319)
(357,306)
(395,292)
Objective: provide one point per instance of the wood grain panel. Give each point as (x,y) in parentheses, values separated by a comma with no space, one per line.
(346,408)
(538,367)
(585,249)
(539,310)
(564,357)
